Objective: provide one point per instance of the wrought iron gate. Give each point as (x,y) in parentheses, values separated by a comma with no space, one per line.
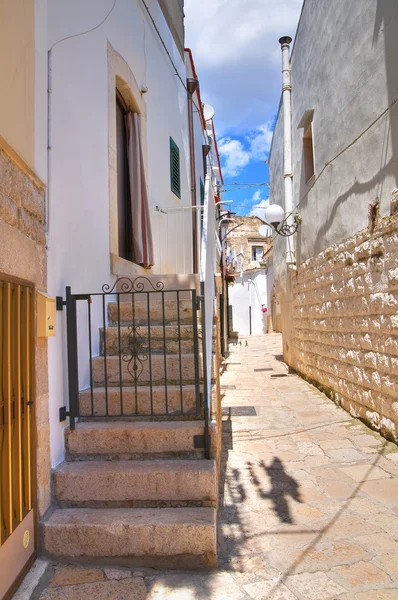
(134,350)
(17,523)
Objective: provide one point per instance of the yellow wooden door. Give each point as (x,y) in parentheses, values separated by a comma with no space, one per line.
(17,518)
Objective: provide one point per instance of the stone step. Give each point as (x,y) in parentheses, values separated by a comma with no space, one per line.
(134,482)
(178,339)
(159,312)
(140,403)
(163,369)
(152,537)
(133,439)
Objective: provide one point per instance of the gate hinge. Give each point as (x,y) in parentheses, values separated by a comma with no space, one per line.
(199,300)
(63,413)
(59,303)
(199,441)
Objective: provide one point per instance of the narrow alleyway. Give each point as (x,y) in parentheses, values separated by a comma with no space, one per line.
(309,501)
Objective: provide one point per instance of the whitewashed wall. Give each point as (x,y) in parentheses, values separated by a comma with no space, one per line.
(240,297)
(79,210)
(344,68)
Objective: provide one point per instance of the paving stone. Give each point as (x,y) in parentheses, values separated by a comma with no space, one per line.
(269,590)
(388,522)
(378,595)
(367,440)
(362,574)
(309,449)
(393,456)
(70,575)
(207,586)
(336,444)
(326,555)
(388,562)
(378,543)
(314,586)
(365,472)
(345,455)
(131,589)
(364,506)
(336,489)
(386,491)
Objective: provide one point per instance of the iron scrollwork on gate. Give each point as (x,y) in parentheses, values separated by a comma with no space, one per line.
(135,353)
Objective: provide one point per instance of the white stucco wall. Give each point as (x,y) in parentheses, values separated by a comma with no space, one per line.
(79,204)
(240,298)
(343,68)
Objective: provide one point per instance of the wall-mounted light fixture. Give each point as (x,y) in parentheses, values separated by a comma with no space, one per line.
(275,215)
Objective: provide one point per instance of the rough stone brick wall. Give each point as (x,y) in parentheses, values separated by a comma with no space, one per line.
(345,324)
(21,201)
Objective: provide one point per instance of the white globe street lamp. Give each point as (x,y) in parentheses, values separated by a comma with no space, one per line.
(275,215)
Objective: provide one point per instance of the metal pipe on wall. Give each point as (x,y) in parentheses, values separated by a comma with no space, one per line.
(192,86)
(287,141)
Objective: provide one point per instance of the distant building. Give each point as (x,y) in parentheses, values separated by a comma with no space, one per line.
(246,266)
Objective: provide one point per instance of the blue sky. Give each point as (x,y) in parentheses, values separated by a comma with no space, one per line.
(238,60)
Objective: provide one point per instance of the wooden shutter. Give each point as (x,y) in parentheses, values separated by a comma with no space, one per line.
(175,176)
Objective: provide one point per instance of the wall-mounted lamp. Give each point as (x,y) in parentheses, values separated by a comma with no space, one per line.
(192,85)
(226,219)
(275,215)
(224,202)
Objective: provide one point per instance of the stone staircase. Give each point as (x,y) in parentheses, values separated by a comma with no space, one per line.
(135,490)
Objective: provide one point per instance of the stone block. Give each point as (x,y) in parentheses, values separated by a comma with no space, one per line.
(132,438)
(8,210)
(100,483)
(146,536)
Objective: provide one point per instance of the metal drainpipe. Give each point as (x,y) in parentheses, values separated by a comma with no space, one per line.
(287,141)
(192,86)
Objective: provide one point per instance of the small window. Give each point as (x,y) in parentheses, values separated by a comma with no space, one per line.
(257,253)
(308,153)
(175,177)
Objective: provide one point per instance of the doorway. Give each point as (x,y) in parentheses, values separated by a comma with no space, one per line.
(17,472)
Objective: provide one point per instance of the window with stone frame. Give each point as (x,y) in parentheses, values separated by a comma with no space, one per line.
(257,253)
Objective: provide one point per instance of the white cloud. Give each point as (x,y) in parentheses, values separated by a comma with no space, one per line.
(260,141)
(258,211)
(234,156)
(238,58)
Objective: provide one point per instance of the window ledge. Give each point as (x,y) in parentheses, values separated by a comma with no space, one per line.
(124,268)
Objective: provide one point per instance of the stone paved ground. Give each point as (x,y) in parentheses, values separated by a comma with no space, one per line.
(309,506)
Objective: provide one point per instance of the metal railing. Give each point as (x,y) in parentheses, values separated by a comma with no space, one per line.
(146,362)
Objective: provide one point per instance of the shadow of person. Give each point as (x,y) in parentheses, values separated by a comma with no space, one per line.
(282,486)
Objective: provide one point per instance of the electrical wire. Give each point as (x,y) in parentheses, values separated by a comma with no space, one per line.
(171,60)
(245,184)
(88,30)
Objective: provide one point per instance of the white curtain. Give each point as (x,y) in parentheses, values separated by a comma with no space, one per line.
(141,226)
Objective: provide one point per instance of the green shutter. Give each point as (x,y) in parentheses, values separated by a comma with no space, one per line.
(175,176)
